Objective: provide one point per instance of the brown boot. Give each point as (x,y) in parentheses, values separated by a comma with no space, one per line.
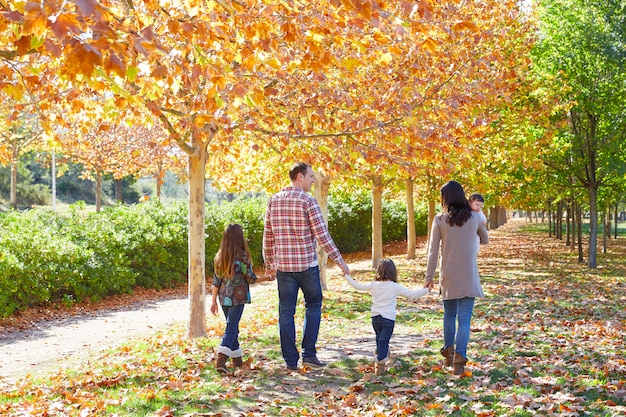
(459,364)
(237,362)
(220,364)
(448,353)
(380,366)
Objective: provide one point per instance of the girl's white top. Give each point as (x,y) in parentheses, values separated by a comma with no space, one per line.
(384,295)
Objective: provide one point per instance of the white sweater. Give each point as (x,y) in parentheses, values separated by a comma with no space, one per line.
(384,295)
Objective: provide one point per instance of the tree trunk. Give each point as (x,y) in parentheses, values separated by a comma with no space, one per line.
(606,216)
(98,188)
(410,220)
(159,179)
(119,192)
(579,215)
(574,224)
(13,195)
(593,225)
(549,219)
(322,183)
(568,225)
(197,276)
(53,177)
(615,220)
(377,220)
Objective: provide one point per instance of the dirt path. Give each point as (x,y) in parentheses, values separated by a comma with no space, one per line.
(48,344)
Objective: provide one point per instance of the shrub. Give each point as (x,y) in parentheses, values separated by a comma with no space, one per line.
(47,256)
(350,221)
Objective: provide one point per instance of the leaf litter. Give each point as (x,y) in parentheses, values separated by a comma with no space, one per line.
(548,340)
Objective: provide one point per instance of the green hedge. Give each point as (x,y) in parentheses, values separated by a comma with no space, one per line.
(350,222)
(49,257)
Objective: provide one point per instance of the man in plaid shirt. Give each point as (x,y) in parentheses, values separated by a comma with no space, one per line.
(293,224)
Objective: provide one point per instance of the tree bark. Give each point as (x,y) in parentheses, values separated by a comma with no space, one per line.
(377,220)
(197,274)
(615,220)
(410,220)
(119,192)
(593,225)
(579,215)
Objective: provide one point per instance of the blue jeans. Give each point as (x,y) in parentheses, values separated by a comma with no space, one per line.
(289,283)
(231,334)
(457,310)
(384,329)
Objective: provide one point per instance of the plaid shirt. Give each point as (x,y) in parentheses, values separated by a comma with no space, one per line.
(293,222)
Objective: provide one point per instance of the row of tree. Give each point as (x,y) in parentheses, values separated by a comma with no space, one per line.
(521,102)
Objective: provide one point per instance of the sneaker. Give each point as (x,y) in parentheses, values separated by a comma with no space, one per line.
(292,367)
(313,362)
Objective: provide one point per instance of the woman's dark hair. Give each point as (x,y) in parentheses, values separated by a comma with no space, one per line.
(386,271)
(298,168)
(455,204)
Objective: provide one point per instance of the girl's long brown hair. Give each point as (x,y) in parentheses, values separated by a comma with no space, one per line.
(233,244)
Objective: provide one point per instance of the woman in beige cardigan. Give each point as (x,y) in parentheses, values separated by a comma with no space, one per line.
(455,230)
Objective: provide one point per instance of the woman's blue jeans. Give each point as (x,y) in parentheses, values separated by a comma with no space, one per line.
(457,311)
(289,284)
(231,334)
(384,329)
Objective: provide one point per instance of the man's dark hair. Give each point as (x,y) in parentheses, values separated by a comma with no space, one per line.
(299,168)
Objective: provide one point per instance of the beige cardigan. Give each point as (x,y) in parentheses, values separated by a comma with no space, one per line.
(458,274)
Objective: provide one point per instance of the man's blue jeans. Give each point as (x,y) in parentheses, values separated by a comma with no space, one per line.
(384,329)
(458,310)
(231,334)
(289,284)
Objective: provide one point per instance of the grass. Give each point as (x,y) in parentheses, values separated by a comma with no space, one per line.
(548,340)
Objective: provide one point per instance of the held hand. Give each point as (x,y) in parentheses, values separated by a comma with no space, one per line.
(430,285)
(270,274)
(345,269)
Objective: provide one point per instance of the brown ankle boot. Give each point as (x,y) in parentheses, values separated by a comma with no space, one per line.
(237,362)
(220,364)
(380,366)
(448,353)
(459,364)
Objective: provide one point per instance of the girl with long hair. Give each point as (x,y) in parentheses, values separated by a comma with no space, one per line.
(232,277)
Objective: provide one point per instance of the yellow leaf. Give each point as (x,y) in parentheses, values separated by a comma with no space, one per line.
(14,91)
(316,38)
(351,63)
(386,58)
(274,63)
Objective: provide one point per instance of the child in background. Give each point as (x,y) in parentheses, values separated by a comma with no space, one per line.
(385,291)
(232,277)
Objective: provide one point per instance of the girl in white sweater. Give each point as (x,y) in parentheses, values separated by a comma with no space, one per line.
(385,291)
